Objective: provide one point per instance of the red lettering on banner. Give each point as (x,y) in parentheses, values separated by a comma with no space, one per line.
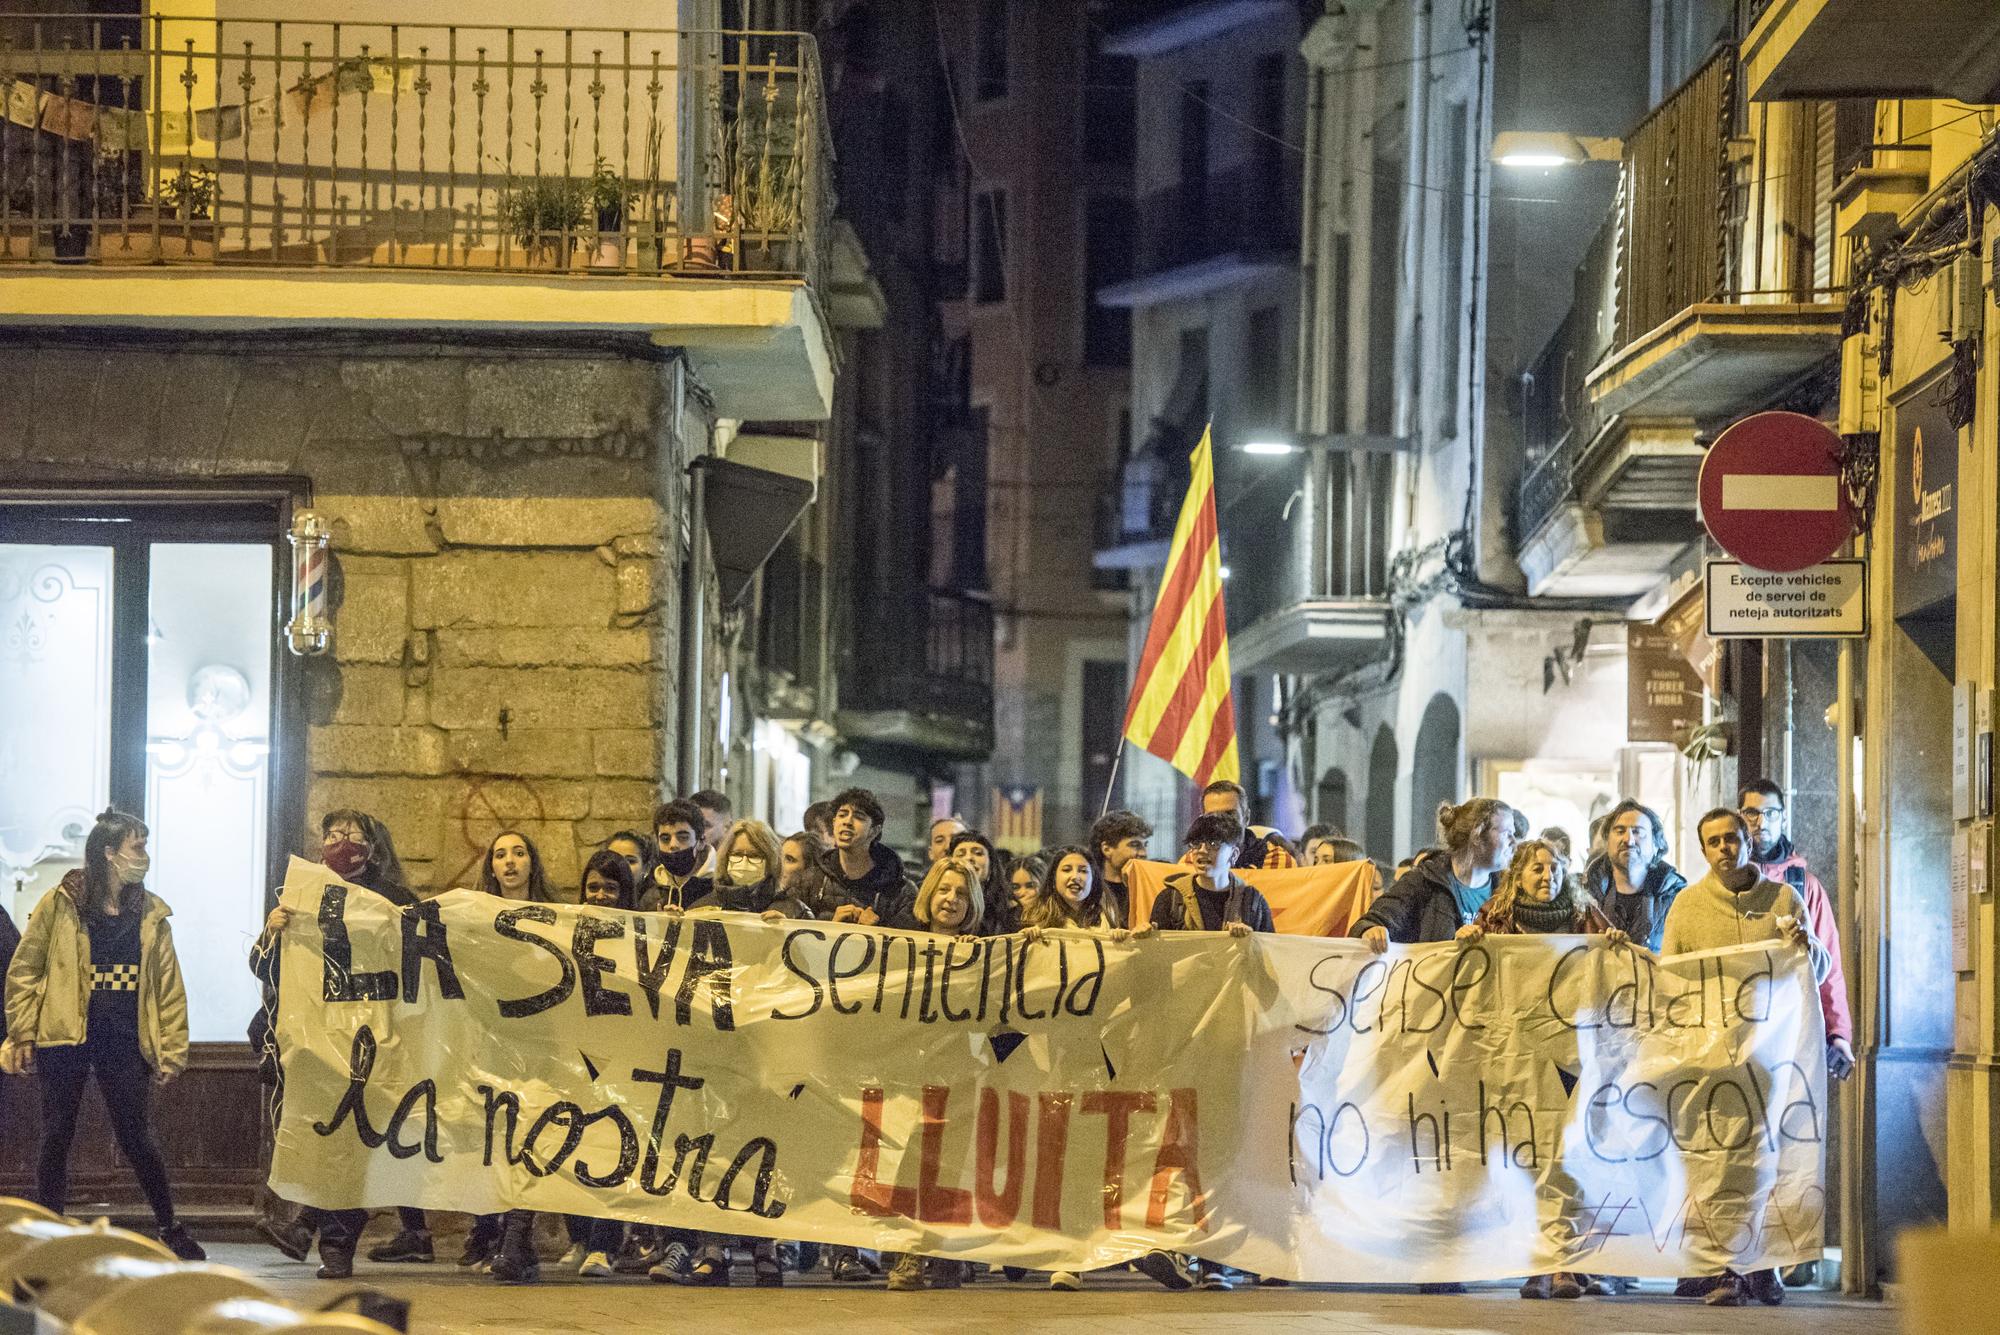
(1117,1106)
(936,1203)
(1180,1152)
(869,1194)
(1051,1144)
(999,1209)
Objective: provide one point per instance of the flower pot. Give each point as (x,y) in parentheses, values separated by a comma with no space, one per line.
(609,253)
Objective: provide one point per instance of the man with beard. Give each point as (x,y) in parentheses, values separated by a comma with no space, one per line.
(1633,882)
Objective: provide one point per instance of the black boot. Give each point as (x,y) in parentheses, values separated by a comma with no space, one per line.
(407,1245)
(181,1242)
(516,1262)
(336,1259)
(481,1241)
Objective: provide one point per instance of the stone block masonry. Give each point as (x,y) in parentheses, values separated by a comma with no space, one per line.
(506,560)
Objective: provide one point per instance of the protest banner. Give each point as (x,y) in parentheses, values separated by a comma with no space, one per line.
(1290,1105)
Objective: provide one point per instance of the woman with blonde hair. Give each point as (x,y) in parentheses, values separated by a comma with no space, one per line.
(747,874)
(1535,895)
(950,901)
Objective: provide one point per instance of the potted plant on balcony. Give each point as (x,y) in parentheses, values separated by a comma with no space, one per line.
(760,218)
(544,216)
(178,223)
(610,196)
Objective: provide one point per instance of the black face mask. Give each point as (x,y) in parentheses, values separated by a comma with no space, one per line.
(679,862)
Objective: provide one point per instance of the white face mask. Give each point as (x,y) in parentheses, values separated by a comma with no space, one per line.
(746,870)
(131,870)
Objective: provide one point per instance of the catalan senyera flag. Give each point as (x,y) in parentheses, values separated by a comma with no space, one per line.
(1180,708)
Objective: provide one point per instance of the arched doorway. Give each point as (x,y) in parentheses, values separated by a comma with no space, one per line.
(1330,801)
(1433,767)
(1381,822)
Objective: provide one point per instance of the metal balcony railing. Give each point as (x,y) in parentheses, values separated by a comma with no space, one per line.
(1244,210)
(1558,421)
(1679,206)
(411,146)
(946,670)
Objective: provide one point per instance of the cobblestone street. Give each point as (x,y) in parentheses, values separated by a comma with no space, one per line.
(446,1301)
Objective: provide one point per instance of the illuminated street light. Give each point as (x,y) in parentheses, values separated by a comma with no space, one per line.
(1269,447)
(1550,149)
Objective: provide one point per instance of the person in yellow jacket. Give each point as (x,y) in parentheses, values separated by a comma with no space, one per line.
(95,988)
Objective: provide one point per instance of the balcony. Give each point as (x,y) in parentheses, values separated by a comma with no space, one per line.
(927,687)
(1865,48)
(266,175)
(1199,237)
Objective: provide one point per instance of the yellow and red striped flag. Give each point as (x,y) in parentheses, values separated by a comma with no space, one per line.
(1180,708)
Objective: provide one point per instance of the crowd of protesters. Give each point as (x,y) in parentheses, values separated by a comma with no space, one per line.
(94,989)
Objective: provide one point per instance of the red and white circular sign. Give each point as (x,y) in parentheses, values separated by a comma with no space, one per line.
(1771,494)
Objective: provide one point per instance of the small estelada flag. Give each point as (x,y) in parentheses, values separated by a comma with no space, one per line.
(1017,818)
(1180,708)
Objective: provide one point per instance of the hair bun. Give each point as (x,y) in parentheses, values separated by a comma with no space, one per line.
(109,813)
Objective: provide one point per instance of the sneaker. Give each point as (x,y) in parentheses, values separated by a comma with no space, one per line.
(634,1258)
(479,1247)
(1169,1270)
(1765,1287)
(907,1275)
(294,1240)
(1215,1278)
(573,1258)
(181,1242)
(673,1266)
(847,1267)
(1537,1286)
(1804,1275)
(1565,1286)
(1698,1286)
(1727,1293)
(1065,1281)
(336,1262)
(408,1245)
(595,1265)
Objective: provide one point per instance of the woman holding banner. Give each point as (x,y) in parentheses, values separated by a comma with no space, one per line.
(1439,895)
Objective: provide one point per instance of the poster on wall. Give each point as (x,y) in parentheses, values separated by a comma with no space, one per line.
(1925,485)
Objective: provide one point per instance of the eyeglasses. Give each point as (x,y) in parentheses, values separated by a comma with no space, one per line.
(1204,845)
(1757,813)
(340,834)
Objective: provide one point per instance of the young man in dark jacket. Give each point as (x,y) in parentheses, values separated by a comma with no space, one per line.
(859,867)
(1211,897)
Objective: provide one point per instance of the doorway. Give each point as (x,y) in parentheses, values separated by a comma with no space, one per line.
(140,668)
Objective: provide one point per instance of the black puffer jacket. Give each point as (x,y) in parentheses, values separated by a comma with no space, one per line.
(1419,907)
(883,888)
(1643,916)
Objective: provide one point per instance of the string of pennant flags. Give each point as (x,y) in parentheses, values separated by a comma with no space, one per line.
(129,128)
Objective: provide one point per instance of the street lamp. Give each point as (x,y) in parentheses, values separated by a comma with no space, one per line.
(1269,447)
(1553,148)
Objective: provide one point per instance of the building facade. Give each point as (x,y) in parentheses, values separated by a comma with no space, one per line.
(377,279)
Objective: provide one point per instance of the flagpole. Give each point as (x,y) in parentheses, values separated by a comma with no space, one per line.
(1111,783)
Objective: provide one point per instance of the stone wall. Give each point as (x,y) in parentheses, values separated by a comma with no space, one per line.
(507,566)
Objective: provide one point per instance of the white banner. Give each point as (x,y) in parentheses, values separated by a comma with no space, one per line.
(1292,1106)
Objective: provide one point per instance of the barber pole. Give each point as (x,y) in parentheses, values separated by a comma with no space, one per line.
(310,629)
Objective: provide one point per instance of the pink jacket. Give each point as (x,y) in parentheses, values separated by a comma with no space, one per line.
(1832,992)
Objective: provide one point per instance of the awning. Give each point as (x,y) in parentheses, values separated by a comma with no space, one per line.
(751,506)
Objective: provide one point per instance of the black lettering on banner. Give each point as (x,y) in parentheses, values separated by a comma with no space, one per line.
(628,1149)
(505,924)
(765,1151)
(424,938)
(932,948)
(341,983)
(708,958)
(354,1103)
(1338,999)
(834,973)
(1555,980)
(671,1082)
(650,970)
(1759,985)
(591,966)
(909,946)
(498,1103)
(1021,986)
(972,957)
(571,1118)
(1372,977)
(1325,1133)
(1508,1119)
(1460,984)
(792,964)
(1096,980)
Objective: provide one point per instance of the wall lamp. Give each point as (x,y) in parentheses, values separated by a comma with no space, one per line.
(1553,148)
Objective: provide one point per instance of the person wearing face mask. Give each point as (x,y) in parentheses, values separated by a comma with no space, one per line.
(1734,905)
(1441,893)
(749,880)
(677,884)
(95,989)
(357,848)
(1632,880)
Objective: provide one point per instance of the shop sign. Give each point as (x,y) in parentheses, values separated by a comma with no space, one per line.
(1662,689)
(1925,484)
(1826,601)
(1683,623)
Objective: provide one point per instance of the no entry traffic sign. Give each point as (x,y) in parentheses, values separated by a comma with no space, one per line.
(1771,494)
